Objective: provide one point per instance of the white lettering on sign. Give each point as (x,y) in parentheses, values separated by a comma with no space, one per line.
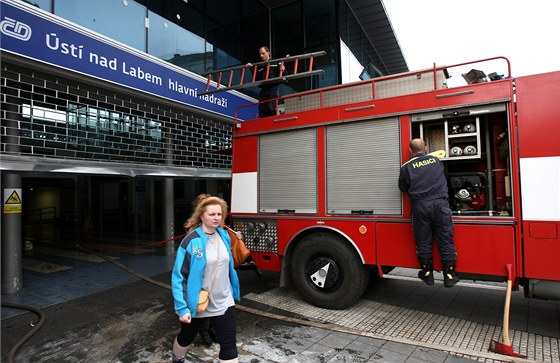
(178,87)
(137,72)
(73,50)
(102,61)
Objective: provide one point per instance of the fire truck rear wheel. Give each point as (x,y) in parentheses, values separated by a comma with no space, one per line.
(327,272)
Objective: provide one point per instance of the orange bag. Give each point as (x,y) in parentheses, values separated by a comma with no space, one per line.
(203,299)
(238,249)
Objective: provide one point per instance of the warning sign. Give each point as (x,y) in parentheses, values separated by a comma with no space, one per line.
(12,201)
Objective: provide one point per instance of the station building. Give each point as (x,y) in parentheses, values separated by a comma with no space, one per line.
(103,132)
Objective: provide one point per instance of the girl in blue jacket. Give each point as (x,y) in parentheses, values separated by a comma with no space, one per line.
(204,261)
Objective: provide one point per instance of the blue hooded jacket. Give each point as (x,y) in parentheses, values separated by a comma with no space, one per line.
(186,278)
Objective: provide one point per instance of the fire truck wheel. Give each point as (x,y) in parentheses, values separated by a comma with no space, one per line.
(327,273)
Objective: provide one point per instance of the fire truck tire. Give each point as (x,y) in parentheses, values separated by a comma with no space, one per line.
(327,272)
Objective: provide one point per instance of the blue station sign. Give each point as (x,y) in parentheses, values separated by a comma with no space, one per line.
(37,35)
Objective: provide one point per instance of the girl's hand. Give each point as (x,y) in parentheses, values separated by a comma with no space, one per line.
(185,318)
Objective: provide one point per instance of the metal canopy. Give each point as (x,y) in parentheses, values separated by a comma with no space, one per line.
(374,20)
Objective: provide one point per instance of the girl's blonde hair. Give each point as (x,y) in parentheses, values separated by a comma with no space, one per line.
(196,202)
(196,218)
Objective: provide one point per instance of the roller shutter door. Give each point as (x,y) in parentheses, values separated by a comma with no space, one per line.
(288,172)
(363,163)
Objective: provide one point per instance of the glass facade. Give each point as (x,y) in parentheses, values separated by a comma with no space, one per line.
(61,123)
(205,35)
(358,43)
(303,27)
(42,4)
(170,42)
(122,20)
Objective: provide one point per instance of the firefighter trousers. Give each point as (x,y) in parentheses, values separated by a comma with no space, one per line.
(433,218)
(268,92)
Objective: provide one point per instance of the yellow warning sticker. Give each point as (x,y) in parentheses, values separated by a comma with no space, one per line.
(12,204)
(13,198)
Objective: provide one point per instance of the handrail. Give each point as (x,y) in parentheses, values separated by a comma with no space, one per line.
(434,70)
(41,213)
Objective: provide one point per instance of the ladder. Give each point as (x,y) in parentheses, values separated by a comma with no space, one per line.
(231,72)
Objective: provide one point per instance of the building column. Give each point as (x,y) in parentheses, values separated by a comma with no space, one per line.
(149,206)
(168,216)
(12,255)
(212,187)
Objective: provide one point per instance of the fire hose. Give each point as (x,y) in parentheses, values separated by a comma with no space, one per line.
(36,327)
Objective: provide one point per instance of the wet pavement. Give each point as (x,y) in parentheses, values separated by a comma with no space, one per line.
(96,312)
(136,323)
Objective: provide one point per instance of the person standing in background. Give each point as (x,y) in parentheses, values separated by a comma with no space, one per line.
(268,91)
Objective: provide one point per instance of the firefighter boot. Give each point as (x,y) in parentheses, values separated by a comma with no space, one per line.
(450,277)
(427,272)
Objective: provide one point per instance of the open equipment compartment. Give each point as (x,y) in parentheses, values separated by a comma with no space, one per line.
(477,157)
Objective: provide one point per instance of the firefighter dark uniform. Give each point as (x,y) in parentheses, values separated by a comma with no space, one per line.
(424,180)
(268,91)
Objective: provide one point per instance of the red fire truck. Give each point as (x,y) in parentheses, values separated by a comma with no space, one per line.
(314,188)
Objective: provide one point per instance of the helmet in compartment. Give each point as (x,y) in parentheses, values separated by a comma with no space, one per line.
(469,150)
(455,129)
(469,128)
(456,151)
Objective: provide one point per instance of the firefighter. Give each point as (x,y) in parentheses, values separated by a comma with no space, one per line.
(268,91)
(424,179)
